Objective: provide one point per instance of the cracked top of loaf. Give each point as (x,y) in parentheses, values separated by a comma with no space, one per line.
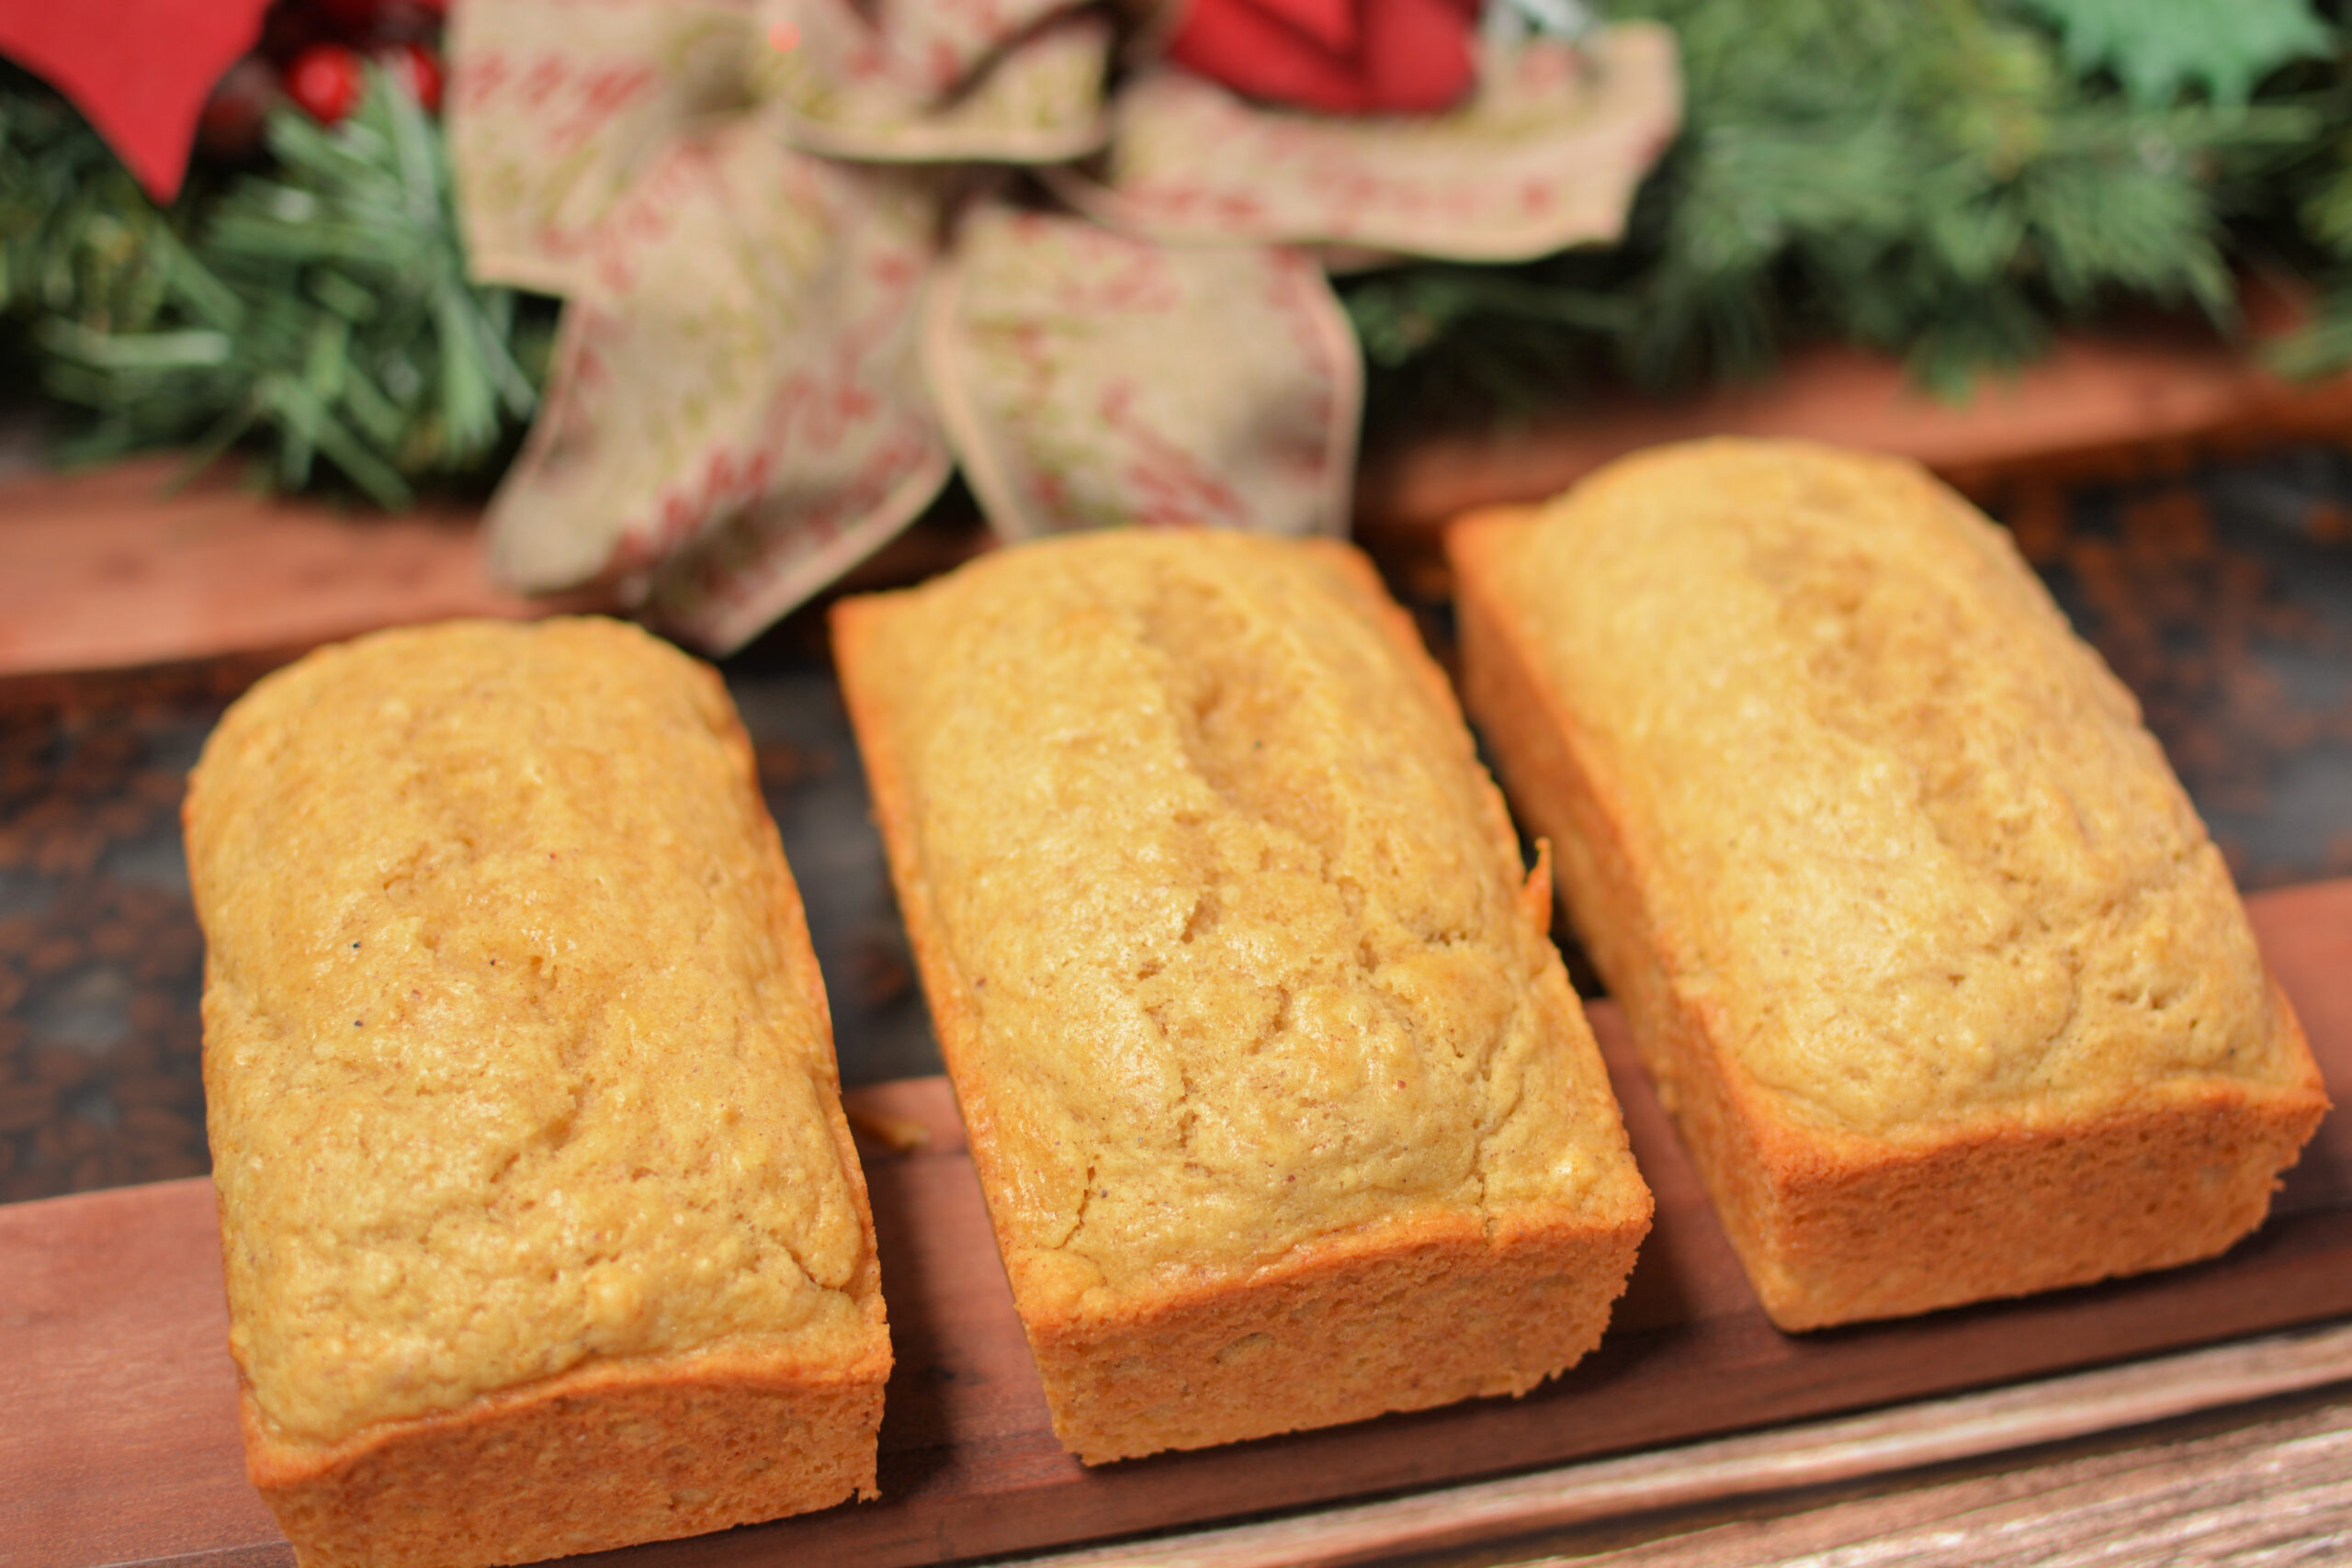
(1906,833)
(1239,947)
(512,1066)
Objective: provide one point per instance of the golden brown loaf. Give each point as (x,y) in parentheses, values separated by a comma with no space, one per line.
(1924,947)
(1283,1108)
(543,1228)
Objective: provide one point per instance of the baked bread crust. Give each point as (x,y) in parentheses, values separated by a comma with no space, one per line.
(677,1432)
(612,1456)
(1422,1306)
(1836,1225)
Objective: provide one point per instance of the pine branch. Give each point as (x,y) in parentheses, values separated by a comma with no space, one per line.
(1929,179)
(320,310)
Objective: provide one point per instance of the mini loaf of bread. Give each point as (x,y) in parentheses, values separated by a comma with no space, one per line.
(543,1228)
(1284,1111)
(1925,948)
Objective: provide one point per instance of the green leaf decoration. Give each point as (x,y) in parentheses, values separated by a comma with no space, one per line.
(2156,48)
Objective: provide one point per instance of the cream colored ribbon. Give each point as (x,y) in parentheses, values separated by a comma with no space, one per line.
(805,277)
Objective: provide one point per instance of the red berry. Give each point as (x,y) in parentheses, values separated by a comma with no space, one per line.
(325,79)
(229,127)
(418,70)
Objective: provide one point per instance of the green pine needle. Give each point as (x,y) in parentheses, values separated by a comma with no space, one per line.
(1936,179)
(320,310)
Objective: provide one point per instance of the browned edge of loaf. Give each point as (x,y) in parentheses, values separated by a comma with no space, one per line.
(1835,1227)
(1185,1372)
(614,1453)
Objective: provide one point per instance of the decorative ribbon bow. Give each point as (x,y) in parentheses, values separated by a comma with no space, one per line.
(807,276)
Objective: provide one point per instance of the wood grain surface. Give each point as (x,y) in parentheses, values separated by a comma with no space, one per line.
(2274,1492)
(120,1443)
(2097,397)
(117,567)
(1528,1517)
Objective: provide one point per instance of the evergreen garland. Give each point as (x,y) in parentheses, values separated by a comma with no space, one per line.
(1947,181)
(79,241)
(318,311)
(1929,179)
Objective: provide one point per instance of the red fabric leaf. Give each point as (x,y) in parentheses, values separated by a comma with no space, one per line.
(138,69)
(1401,56)
(1331,23)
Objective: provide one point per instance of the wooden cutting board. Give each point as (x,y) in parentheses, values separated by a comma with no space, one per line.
(120,1438)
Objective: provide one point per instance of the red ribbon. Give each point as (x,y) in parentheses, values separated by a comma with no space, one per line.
(138,69)
(1338,56)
